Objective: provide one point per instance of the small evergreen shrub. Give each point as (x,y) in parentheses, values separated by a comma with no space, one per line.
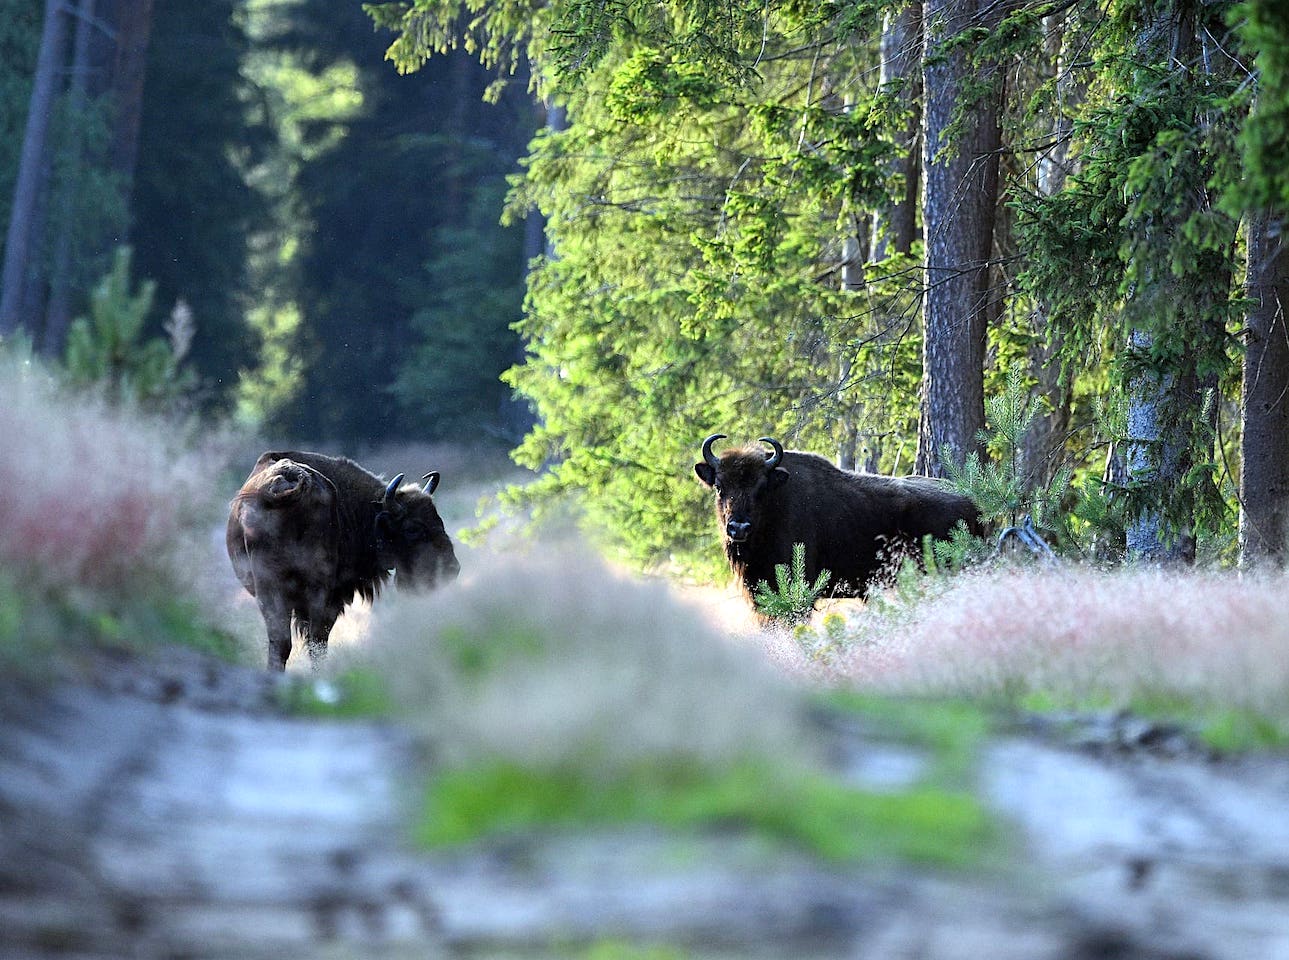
(104,348)
(793,598)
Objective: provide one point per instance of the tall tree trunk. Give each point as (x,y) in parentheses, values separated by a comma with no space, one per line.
(22,242)
(895,228)
(1046,435)
(58,314)
(961,187)
(129,67)
(1166,425)
(1157,457)
(1264,401)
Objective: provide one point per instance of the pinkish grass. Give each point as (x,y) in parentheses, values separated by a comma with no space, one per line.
(1077,635)
(90,496)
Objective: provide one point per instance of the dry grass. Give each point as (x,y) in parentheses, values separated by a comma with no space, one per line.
(554,659)
(100,506)
(1074,634)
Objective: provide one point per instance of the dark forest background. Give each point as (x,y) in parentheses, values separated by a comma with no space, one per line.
(328,228)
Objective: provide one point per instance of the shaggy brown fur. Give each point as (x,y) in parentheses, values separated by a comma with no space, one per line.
(307,533)
(854,525)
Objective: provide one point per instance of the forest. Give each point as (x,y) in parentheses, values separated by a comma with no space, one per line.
(1034,247)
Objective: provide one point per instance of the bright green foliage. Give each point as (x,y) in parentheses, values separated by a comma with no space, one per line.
(720,161)
(793,597)
(1265,31)
(694,287)
(1137,242)
(574,36)
(104,349)
(1001,487)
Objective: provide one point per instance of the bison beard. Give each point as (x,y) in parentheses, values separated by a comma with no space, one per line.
(855,525)
(307,533)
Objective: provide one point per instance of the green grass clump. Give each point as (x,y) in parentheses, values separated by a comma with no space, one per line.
(356,693)
(807,810)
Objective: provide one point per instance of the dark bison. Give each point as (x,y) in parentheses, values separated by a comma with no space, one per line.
(852,524)
(308,533)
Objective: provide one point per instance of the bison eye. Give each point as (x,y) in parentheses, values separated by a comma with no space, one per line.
(415,530)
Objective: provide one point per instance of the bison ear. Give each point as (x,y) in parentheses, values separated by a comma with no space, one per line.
(777,478)
(383,528)
(706,473)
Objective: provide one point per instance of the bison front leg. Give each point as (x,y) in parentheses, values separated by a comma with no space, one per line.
(277,620)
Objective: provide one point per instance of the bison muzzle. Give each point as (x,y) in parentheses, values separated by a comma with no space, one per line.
(855,525)
(308,533)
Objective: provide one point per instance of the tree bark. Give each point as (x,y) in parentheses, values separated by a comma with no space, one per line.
(961,187)
(58,314)
(1264,404)
(22,241)
(1165,403)
(1044,439)
(129,67)
(895,228)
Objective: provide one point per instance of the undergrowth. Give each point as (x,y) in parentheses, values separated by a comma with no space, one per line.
(104,525)
(1208,651)
(555,694)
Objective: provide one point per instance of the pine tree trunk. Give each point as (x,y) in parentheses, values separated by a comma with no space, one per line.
(58,314)
(1156,459)
(895,228)
(961,185)
(133,31)
(1045,438)
(22,241)
(1264,401)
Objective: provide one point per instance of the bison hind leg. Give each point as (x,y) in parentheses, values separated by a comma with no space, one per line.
(316,631)
(277,620)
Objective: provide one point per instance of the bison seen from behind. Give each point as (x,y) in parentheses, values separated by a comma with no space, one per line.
(307,533)
(852,524)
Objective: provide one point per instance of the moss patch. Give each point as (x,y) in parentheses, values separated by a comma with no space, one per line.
(805,809)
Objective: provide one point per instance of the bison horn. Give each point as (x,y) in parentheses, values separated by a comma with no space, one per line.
(431,481)
(391,490)
(707,449)
(772,460)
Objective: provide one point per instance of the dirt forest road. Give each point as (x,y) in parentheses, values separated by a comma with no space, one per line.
(168,810)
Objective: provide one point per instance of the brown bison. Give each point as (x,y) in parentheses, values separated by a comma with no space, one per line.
(308,533)
(854,525)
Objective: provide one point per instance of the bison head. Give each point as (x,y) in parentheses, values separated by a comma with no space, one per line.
(410,537)
(743,480)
